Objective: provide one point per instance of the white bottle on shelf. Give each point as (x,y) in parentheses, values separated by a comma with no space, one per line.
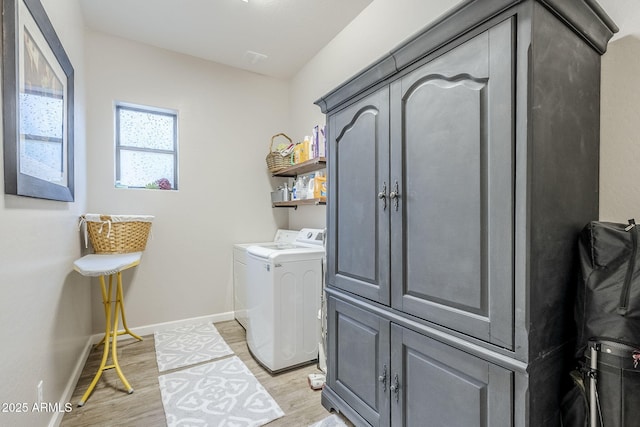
(302,187)
(310,185)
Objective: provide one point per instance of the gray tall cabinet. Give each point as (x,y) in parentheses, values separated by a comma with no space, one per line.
(461,167)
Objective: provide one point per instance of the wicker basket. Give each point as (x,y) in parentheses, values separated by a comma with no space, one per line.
(275,160)
(117,234)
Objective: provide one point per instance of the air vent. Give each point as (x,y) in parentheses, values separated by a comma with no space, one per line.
(255,57)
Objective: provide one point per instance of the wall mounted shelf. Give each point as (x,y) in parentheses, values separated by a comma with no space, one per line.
(302,168)
(295,203)
(293,171)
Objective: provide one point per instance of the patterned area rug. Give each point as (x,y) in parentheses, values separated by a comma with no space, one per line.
(220,393)
(330,421)
(188,345)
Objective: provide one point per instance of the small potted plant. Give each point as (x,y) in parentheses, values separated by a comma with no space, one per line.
(159,184)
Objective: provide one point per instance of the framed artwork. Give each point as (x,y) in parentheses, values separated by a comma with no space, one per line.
(37,87)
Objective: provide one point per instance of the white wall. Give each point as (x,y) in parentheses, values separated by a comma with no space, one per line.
(225,119)
(45,318)
(620,116)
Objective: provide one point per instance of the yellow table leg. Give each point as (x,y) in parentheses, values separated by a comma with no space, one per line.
(114,339)
(106,295)
(120,302)
(110,338)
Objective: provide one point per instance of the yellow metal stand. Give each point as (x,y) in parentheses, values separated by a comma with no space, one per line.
(110,339)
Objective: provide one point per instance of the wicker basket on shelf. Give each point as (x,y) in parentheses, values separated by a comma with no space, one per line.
(275,160)
(117,234)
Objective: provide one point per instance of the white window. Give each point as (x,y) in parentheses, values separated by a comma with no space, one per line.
(146,147)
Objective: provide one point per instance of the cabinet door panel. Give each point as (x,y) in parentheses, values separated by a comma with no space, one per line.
(358,356)
(358,244)
(452,242)
(441,386)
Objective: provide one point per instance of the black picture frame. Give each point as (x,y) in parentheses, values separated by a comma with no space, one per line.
(37,77)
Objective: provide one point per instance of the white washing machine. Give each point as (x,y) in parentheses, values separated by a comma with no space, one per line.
(284,287)
(240,271)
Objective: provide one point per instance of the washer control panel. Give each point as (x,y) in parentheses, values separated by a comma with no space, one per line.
(310,236)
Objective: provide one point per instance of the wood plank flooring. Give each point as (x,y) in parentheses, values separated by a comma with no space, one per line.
(110,405)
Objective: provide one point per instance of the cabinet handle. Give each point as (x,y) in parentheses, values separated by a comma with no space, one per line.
(383,378)
(395,388)
(395,196)
(383,196)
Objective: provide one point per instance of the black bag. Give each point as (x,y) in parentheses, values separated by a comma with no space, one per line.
(617,383)
(607,314)
(575,403)
(608,296)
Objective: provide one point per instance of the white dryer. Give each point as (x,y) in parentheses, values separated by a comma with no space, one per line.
(284,287)
(240,271)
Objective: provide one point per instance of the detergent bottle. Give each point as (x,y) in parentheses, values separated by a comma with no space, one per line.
(320,187)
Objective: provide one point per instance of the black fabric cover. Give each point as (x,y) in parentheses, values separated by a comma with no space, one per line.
(607,311)
(609,275)
(575,404)
(618,385)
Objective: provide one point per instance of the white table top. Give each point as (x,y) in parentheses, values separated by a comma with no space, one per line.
(104,265)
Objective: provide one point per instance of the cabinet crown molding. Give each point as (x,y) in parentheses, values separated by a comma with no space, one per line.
(585,17)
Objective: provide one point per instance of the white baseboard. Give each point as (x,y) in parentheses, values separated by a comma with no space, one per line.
(56,420)
(158,327)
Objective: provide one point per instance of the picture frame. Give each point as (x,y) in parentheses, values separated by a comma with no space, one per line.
(38,102)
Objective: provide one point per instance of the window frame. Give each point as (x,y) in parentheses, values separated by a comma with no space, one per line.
(119,147)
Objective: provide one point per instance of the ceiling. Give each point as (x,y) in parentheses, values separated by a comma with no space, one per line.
(270,37)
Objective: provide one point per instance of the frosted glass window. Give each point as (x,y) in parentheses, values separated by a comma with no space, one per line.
(146,148)
(139,168)
(146,130)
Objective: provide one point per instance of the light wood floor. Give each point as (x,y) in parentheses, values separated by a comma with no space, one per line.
(110,405)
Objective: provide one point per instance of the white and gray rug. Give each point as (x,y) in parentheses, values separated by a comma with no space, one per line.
(220,393)
(331,421)
(189,344)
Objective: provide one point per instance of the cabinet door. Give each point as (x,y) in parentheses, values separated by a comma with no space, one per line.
(358,360)
(358,221)
(440,386)
(452,165)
